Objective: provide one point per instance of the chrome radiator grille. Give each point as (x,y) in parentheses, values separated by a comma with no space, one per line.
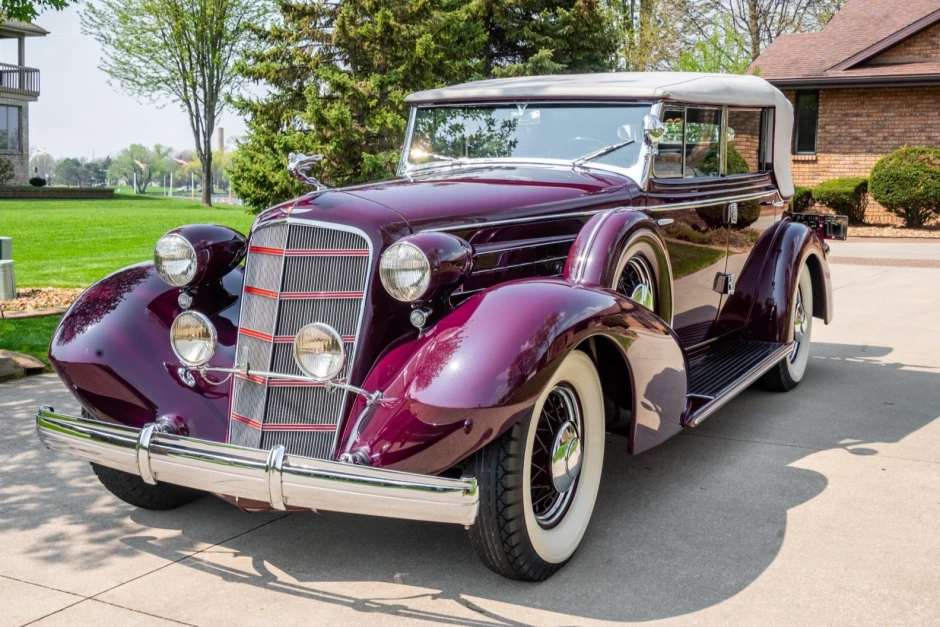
(295,274)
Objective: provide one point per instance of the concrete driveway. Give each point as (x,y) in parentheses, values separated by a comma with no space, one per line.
(821,506)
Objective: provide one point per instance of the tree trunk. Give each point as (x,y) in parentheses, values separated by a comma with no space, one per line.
(753,27)
(207,179)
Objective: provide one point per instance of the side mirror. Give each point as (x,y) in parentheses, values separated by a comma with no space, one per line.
(654,129)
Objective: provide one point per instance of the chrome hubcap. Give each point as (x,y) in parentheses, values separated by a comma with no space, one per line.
(556,456)
(566,457)
(799,317)
(636,281)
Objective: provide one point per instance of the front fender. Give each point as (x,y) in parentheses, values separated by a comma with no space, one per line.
(476,372)
(112,350)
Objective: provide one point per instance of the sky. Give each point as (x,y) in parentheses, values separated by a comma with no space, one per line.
(78,114)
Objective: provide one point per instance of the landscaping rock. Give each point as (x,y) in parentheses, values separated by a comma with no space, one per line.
(9,369)
(28,363)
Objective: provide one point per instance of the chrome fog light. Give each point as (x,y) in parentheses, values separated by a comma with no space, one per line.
(319,351)
(175,259)
(405,272)
(193,338)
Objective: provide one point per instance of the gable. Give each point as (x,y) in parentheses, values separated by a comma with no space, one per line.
(920,47)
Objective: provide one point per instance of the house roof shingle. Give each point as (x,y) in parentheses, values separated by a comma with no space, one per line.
(861,30)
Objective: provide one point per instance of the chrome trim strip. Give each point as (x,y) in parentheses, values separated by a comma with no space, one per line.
(255,474)
(692,204)
(742,384)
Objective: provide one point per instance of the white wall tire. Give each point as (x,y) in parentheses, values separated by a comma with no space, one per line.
(511,535)
(787,374)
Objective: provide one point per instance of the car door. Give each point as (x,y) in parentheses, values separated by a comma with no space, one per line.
(687,197)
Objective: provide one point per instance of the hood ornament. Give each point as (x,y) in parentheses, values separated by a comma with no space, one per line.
(299,166)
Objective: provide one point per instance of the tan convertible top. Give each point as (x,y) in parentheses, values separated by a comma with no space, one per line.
(710,89)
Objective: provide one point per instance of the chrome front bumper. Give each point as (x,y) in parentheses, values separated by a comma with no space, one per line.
(267,476)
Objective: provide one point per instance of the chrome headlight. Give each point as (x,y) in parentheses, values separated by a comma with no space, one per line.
(319,351)
(175,259)
(193,338)
(405,272)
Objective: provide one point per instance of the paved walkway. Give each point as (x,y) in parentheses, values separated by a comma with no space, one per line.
(816,507)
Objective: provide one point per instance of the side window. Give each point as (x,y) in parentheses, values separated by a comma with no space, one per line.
(702,142)
(806,123)
(744,141)
(668,161)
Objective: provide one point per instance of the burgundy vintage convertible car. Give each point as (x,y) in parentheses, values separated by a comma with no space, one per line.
(453,345)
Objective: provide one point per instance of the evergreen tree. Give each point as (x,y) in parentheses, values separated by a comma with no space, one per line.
(338,73)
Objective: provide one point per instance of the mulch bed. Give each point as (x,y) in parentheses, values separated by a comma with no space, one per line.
(894,232)
(41,298)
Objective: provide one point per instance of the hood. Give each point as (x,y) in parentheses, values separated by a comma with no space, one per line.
(494,192)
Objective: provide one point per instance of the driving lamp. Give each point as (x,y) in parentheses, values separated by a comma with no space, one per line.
(193,338)
(175,259)
(405,272)
(319,351)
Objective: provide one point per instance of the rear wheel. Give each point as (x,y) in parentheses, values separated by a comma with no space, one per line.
(133,490)
(538,481)
(787,374)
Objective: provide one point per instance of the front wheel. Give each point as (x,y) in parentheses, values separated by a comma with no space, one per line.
(135,491)
(539,480)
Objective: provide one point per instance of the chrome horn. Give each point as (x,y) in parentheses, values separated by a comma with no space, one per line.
(299,166)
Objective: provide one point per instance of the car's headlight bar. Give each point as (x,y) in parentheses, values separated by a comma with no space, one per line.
(198,253)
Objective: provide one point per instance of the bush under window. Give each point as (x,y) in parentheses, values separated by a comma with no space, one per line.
(848,196)
(802,200)
(907,183)
(37,181)
(6,171)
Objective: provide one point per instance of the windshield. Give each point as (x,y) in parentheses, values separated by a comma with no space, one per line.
(598,133)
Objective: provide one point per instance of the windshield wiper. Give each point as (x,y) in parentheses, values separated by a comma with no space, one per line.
(600,153)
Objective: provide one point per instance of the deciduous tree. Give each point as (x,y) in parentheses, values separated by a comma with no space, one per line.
(180,51)
(27,10)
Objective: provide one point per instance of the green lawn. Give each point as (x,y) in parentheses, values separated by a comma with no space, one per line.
(30,336)
(687,258)
(73,243)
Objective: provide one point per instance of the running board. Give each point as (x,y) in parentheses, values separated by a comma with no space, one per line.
(719,376)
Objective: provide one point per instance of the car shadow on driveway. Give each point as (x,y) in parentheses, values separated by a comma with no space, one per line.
(677,529)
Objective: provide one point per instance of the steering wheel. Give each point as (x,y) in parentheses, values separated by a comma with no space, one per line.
(587,141)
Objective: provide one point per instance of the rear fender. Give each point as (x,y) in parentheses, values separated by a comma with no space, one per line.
(769,280)
(112,350)
(470,377)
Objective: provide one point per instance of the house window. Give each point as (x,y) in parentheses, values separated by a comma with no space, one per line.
(807,123)
(9,128)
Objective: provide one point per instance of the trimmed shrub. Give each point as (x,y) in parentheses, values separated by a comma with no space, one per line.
(37,181)
(6,171)
(714,217)
(848,196)
(907,183)
(802,199)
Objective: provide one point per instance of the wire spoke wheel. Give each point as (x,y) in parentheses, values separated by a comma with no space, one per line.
(559,421)
(799,321)
(637,282)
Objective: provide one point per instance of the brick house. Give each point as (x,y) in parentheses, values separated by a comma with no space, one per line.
(19,85)
(865,85)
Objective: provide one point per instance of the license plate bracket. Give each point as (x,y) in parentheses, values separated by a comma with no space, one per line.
(826,226)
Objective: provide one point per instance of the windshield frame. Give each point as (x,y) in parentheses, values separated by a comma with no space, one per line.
(638,172)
